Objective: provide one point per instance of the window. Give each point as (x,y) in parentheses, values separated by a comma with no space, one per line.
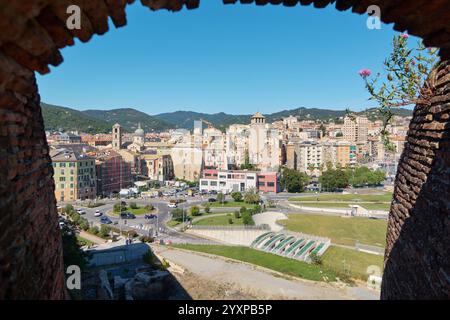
(261,184)
(250,178)
(271,184)
(213,183)
(204,183)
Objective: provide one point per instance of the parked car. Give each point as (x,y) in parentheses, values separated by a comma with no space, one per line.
(127,215)
(98,213)
(150,216)
(105,220)
(172,205)
(212,200)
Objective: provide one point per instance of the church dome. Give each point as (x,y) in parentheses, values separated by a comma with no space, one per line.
(139,131)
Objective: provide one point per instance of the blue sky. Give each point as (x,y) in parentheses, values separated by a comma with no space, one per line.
(234,58)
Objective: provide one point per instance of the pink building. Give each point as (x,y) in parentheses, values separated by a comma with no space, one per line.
(268,182)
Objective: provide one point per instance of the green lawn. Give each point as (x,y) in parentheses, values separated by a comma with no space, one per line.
(138,211)
(352,262)
(346,205)
(339,229)
(382,197)
(172,223)
(83,242)
(228,204)
(267,260)
(219,221)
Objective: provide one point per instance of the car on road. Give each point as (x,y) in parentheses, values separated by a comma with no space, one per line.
(127,215)
(105,220)
(150,216)
(172,205)
(81,211)
(98,213)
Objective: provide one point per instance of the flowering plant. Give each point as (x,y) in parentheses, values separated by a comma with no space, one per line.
(408,79)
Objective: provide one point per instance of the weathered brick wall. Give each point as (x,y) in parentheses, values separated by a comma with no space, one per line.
(31,264)
(417,261)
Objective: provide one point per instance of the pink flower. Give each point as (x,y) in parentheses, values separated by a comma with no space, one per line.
(413,62)
(364,73)
(404,35)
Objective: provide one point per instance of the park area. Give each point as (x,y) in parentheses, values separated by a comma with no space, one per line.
(342,263)
(220,220)
(380,201)
(341,230)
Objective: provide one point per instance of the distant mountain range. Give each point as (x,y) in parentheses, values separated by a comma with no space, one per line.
(100,121)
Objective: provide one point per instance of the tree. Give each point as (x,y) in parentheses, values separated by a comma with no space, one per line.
(242,210)
(334,179)
(237,196)
(247,219)
(408,79)
(293,180)
(118,207)
(251,196)
(247,165)
(195,211)
(69,209)
(220,197)
(177,214)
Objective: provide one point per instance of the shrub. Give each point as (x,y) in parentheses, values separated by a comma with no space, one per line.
(251,196)
(104,231)
(131,234)
(257,209)
(68,209)
(237,196)
(315,259)
(133,205)
(195,211)
(207,208)
(94,230)
(230,220)
(220,197)
(149,207)
(243,209)
(84,224)
(247,219)
(146,239)
(117,207)
(164,264)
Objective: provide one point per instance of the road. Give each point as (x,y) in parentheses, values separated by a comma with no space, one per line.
(141,225)
(265,283)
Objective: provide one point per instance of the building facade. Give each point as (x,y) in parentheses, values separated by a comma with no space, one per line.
(74,175)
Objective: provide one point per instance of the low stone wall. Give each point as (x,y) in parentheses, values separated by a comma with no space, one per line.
(232,236)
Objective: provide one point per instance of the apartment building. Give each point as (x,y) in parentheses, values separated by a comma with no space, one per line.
(355,129)
(74,175)
(113,172)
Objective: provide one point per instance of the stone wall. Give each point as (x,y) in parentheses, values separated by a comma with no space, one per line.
(417,260)
(31,264)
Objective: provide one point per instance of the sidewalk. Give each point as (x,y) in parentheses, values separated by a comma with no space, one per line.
(90,237)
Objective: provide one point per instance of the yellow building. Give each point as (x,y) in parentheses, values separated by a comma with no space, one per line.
(74,175)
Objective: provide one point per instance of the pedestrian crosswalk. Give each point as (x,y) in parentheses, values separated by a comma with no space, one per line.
(144,227)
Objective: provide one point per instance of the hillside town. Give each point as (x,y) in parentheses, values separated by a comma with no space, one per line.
(88,166)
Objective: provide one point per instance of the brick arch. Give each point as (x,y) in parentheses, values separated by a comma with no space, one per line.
(33,31)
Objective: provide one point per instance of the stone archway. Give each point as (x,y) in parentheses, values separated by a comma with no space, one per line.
(32,32)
